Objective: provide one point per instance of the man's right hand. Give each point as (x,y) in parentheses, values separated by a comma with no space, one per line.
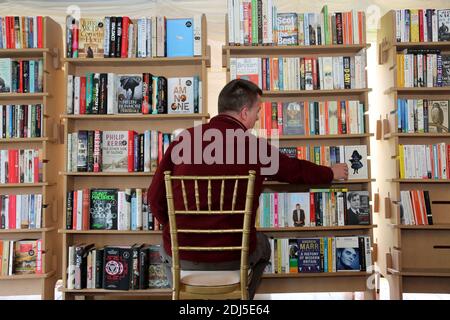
(340,171)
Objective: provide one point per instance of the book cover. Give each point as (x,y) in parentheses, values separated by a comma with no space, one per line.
(103,209)
(90,38)
(293,118)
(347,254)
(356,159)
(180,95)
(129,93)
(249,69)
(157,277)
(287,29)
(358,210)
(309,255)
(115,151)
(444,25)
(438,116)
(445,58)
(5,75)
(25,256)
(117,268)
(293,256)
(180,37)
(298,209)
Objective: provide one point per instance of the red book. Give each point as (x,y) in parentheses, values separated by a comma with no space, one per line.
(268,116)
(7,34)
(13,166)
(160,147)
(314,73)
(416,207)
(75,33)
(12,38)
(36,169)
(20,76)
(423,209)
(74,210)
(264,74)
(131,151)
(327,125)
(312,209)
(448,161)
(85,213)
(40,32)
(82,95)
(12,212)
(339,110)
(124,47)
(420,25)
(360,27)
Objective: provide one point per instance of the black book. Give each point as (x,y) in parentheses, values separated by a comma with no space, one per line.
(319,35)
(445,70)
(317,208)
(343,117)
(15,76)
(69,210)
(95,93)
(291,152)
(135,275)
(143,267)
(2,212)
(103,93)
(112,37)
(429,15)
(339,31)
(26,76)
(117,268)
(162,95)
(38,120)
(82,151)
(316,118)
(103,209)
(426,195)
(347,74)
(260,21)
(90,151)
(362,253)
(99,268)
(37,83)
(118,48)
(302,73)
(425,116)
(69,22)
(141,152)
(81,253)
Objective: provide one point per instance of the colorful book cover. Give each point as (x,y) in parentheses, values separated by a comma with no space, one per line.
(115,151)
(438,116)
(287,29)
(309,255)
(347,254)
(129,93)
(156,270)
(298,209)
(356,159)
(25,256)
(180,95)
(103,209)
(90,39)
(117,268)
(358,210)
(293,118)
(293,256)
(180,37)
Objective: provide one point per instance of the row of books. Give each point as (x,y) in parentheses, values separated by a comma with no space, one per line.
(21,32)
(302,73)
(20,166)
(415,207)
(21,121)
(424,161)
(354,156)
(115,151)
(109,93)
(21,76)
(123,37)
(318,207)
(422,115)
(325,254)
(253,22)
(422,25)
(311,118)
(115,267)
(109,209)
(20,257)
(423,68)
(20,211)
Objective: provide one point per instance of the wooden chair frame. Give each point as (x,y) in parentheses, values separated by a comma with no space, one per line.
(235,291)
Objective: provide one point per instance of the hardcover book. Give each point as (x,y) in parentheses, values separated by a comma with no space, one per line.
(91,38)
(117,268)
(298,208)
(356,159)
(309,255)
(115,151)
(293,118)
(347,254)
(103,209)
(180,95)
(157,277)
(438,116)
(25,256)
(444,25)
(180,37)
(129,93)
(358,210)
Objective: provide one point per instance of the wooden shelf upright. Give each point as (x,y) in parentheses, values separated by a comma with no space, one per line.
(39,284)
(167,123)
(317,282)
(412,258)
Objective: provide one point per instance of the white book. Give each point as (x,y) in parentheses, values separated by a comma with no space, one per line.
(38,210)
(11,258)
(29,121)
(415,154)
(94,264)
(368,252)
(6,215)
(269,21)
(74,153)
(306,28)
(71,268)
(434,25)
(429,71)
(106,37)
(423,162)
(410,116)
(321,72)
(180,95)
(341,208)
(130,40)
(443,151)
(230,9)
(69,100)
(200,97)
(398,26)
(18,212)
(139,208)
(147,151)
(197,35)
(79,209)
(112,106)
(148,37)
(241,21)
(358,72)
(121,219)
(35,34)
(327,64)
(356,159)
(353,116)
(333,117)
(160,36)
(236,22)
(76,106)
(154,38)
(424,26)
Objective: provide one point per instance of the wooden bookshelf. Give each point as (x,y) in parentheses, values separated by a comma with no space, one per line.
(167,123)
(39,284)
(410,256)
(325,282)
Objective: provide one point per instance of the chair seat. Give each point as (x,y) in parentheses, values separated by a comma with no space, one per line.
(210,278)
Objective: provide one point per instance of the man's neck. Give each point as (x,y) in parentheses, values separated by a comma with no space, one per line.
(234,116)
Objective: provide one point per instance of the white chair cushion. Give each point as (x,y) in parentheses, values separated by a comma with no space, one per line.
(210,278)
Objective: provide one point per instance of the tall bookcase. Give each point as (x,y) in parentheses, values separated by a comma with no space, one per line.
(414,258)
(168,67)
(313,282)
(39,284)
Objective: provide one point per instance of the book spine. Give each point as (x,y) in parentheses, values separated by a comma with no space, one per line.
(69,210)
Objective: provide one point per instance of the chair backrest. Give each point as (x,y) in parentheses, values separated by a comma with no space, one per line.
(245,230)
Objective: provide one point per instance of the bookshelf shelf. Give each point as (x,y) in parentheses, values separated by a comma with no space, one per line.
(30,140)
(127,232)
(23,53)
(27,231)
(410,256)
(103,62)
(312,229)
(322,137)
(29,276)
(108,174)
(26,185)
(314,93)
(316,275)
(119,117)
(334,182)
(147,292)
(23,96)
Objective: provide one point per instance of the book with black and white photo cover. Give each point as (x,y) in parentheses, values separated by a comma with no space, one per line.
(5,74)
(293,118)
(356,159)
(347,254)
(297,210)
(103,209)
(180,95)
(157,277)
(129,93)
(438,116)
(115,151)
(443,24)
(445,70)
(91,38)
(358,210)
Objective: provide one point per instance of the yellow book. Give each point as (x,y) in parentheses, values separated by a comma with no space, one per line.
(399,68)
(279,255)
(330,254)
(414,26)
(322,257)
(401,155)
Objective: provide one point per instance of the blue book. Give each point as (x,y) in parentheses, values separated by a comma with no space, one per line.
(31,74)
(325,254)
(180,37)
(309,255)
(133,214)
(32,213)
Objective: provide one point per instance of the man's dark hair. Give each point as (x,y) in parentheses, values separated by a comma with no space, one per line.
(238,93)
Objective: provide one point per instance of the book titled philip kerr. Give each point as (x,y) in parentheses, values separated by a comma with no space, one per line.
(180,37)
(129,93)
(180,95)
(117,268)
(115,151)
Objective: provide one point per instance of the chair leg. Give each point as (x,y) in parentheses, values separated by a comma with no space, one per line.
(175,295)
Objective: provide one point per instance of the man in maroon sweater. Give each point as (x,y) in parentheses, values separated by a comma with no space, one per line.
(224,147)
